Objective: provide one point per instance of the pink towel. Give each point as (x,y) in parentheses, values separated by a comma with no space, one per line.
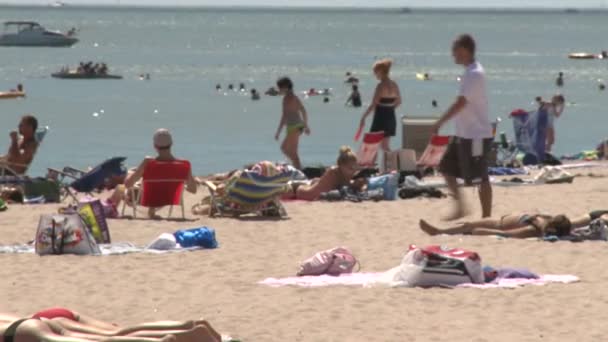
(369,279)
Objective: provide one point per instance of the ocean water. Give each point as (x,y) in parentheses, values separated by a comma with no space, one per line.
(188,51)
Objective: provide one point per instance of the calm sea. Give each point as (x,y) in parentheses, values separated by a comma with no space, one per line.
(187,52)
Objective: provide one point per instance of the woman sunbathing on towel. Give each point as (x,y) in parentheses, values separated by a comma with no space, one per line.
(162,143)
(334,178)
(56,324)
(513,226)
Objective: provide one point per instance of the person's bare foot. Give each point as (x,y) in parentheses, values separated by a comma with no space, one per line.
(203,323)
(459,211)
(427,228)
(169,338)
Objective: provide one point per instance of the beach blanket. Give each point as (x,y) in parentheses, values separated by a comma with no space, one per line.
(118,248)
(375,279)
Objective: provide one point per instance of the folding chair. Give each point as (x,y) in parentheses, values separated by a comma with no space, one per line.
(249,192)
(531,134)
(369,149)
(431,157)
(162,185)
(87,181)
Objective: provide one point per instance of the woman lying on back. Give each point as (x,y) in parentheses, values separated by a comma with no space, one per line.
(520,226)
(334,178)
(63,325)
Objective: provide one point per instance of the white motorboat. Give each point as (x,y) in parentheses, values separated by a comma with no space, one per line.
(30,33)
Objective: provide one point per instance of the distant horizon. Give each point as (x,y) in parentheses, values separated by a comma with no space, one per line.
(338,4)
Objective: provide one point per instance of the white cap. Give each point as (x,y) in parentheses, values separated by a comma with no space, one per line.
(162,138)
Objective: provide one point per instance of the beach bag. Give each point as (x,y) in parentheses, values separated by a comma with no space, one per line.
(597,230)
(64,234)
(388,183)
(196,237)
(47,189)
(448,266)
(93,214)
(335,261)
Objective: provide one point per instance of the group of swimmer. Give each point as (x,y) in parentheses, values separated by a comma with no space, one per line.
(89,68)
(559,82)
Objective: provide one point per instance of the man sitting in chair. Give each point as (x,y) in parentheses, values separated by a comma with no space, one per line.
(22,150)
(162,143)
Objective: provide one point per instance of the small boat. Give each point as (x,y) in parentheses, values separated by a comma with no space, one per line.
(12,94)
(73,75)
(583,55)
(30,33)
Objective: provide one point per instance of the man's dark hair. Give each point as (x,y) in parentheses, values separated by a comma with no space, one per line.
(285,83)
(466,42)
(31,121)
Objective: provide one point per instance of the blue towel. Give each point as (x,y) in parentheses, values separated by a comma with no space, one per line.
(505,171)
(201,237)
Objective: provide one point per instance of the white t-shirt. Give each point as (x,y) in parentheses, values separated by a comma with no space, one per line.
(473,122)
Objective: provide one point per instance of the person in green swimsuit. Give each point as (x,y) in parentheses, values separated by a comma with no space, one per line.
(294,118)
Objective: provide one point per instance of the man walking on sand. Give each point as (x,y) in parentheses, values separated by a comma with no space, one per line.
(466,155)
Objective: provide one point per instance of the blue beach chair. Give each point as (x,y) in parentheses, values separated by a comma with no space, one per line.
(79,181)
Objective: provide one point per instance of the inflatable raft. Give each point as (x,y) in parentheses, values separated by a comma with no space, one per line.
(583,55)
(83,76)
(12,94)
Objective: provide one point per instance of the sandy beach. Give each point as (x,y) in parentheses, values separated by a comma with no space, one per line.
(221,285)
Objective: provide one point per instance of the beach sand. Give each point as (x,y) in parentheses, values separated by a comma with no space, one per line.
(221,285)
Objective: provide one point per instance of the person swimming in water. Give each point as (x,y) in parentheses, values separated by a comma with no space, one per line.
(254,94)
(560,80)
(326,99)
(272,91)
(354,99)
(218,87)
(295,118)
(231,87)
(434,104)
(350,78)
(242,87)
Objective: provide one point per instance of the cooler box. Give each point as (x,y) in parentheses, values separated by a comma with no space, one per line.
(416,132)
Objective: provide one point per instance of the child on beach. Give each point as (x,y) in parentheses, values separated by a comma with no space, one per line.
(294,118)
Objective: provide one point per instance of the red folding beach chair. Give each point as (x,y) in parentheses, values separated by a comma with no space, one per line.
(434,151)
(163,185)
(369,149)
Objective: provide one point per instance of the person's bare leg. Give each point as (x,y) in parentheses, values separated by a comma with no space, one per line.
(196,334)
(550,138)
(461,228)
(459,210)
(43,331)
(289,147)
(485,196)
(386,144)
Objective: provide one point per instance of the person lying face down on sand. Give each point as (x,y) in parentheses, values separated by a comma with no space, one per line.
(62,325)
(519,226)
(21,150)
(334,178)
(162,144)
